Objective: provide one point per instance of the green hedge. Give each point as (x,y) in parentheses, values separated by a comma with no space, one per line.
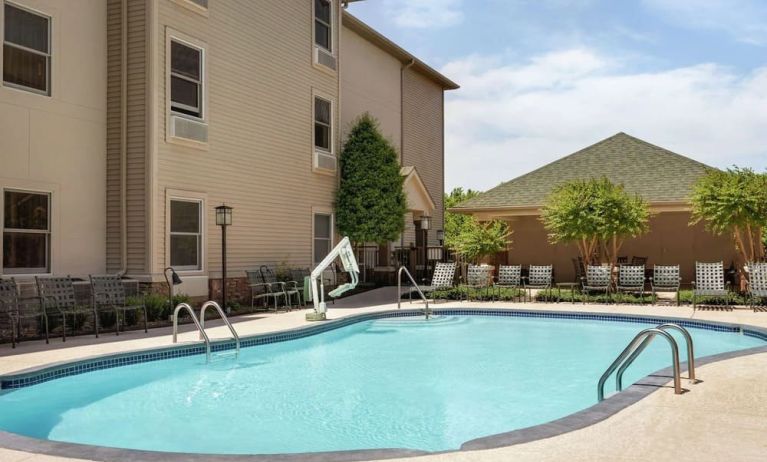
(685,297)
(460,293)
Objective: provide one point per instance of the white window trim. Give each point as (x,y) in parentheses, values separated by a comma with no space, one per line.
(48,80)
(333,128)
(331,213)
(332,27)
(189,4)
(172,35)
(22,272)
(187,196)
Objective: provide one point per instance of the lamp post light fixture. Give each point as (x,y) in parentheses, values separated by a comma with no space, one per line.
(173,281)
(223,219)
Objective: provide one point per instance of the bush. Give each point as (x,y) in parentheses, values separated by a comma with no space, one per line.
(157,308)
(461,293)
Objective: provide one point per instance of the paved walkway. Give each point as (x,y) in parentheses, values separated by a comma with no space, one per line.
(725,418)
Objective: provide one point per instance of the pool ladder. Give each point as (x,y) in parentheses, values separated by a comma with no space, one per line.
(200,324)
(427,310)
(635,348)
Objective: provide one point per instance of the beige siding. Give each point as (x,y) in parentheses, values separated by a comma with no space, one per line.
(422,130)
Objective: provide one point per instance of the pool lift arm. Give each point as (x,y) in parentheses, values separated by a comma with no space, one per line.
(345,252)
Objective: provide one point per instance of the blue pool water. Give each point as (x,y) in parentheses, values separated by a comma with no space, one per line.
(389,383)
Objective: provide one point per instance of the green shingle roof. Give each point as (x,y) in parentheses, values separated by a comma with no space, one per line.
(656,174)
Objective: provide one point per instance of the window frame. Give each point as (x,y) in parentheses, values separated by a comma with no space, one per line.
(331,239)
(329,125)
(48,232)
(330,26)
(48,56)
(200,234)
(201,83)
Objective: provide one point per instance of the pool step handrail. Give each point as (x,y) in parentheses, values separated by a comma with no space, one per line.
(404,269)
(221,313)
(203,335)
(635,342)
(647,341)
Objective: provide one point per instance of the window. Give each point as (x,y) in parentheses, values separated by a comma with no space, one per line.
(322,124)
(201,3)
(186,234)
(26,50)
(323,236)
(323,28)
(26,232)
(185,79)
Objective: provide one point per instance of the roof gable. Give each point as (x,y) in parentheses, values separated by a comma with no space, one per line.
(656,174)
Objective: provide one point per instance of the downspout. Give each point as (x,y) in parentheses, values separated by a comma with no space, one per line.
(151,134)
(123,138)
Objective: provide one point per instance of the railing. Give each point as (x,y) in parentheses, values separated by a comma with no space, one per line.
(203,335)
(226,321)
(427,311)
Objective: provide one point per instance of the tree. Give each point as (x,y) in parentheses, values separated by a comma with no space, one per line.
(371,202)
(455,222)
(478,240)
(734,201)
(596,215)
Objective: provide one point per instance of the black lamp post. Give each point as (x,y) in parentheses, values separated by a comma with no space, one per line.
(425,226)
(173,281)
(223,219)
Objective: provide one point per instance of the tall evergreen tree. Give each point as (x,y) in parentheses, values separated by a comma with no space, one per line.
(371,203)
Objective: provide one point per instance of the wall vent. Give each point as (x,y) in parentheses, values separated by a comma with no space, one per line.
(181,127)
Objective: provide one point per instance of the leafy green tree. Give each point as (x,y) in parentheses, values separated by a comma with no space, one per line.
(596,215)
(456,222)
(734,201)
(478,240)
(371,202)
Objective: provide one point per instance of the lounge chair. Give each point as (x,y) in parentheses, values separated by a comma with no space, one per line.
(709,282)
(631,280)
(442,278)
(539,277)
(57,296)
(16,308)
(108,293)
(509,277)
(665,278)
(598,279)
(757,283)
(289,288)
(478,277)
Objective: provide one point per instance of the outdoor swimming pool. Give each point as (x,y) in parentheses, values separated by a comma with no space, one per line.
(386,383)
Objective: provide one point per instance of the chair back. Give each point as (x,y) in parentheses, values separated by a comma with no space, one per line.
(478,275)
(539,275)
(666,276)
(510,275)
(267,275)
(637,261)
(444,274)
(709,276)
(631,276)
(757,277)
(623,260)
(56,292)
(9,295)
(254,276)
(108,289)
(578,267)
(598,276)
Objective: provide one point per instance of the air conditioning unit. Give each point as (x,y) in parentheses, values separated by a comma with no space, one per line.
(325,160)
(324,57)
(182,127)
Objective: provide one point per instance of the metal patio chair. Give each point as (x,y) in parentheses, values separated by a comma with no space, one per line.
(261,290)
(709,282)
(108,293)
(597,279)
(509,277)
(289,288)
(539,277)
(579,269)
(16,309)
(478,277)
(442,278)
(631,280)
(637,261)
(757,283)
(57,297)
(665,278)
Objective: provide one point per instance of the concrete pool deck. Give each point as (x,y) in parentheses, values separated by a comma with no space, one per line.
(725,417)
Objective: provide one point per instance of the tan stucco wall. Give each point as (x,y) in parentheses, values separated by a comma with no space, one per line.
(670,241)
(57,143)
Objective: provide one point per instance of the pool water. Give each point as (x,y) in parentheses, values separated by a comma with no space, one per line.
(389,383)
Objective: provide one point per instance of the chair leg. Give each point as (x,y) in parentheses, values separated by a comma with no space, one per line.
(146,321)
(13,333)
(117,321)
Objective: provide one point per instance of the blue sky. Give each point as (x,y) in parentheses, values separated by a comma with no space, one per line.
(543,78)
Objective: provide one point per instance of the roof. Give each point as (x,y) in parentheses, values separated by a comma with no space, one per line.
(655,174)
(376,38)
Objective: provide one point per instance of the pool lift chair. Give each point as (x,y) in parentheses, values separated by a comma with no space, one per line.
(345,252)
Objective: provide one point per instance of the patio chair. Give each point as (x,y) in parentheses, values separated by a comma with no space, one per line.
(637,261)
(509,277)
(17,308)
(580,271)
(57,297)
(108,293)
(442,278)
(665,278)
(709,282)
(757,283)
(631,280)
(478,277)
(289,288)
(539,277)
(261,290)
(623,260)
(597,279)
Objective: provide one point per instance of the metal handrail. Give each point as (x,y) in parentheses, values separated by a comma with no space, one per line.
(224,318)
(640,337)
(203,335)
(646,342)
(412,281)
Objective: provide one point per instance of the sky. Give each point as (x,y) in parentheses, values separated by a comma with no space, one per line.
(541,79)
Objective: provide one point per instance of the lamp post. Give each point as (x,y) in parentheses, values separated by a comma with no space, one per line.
(223,219)
(173,281)
(425,226)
